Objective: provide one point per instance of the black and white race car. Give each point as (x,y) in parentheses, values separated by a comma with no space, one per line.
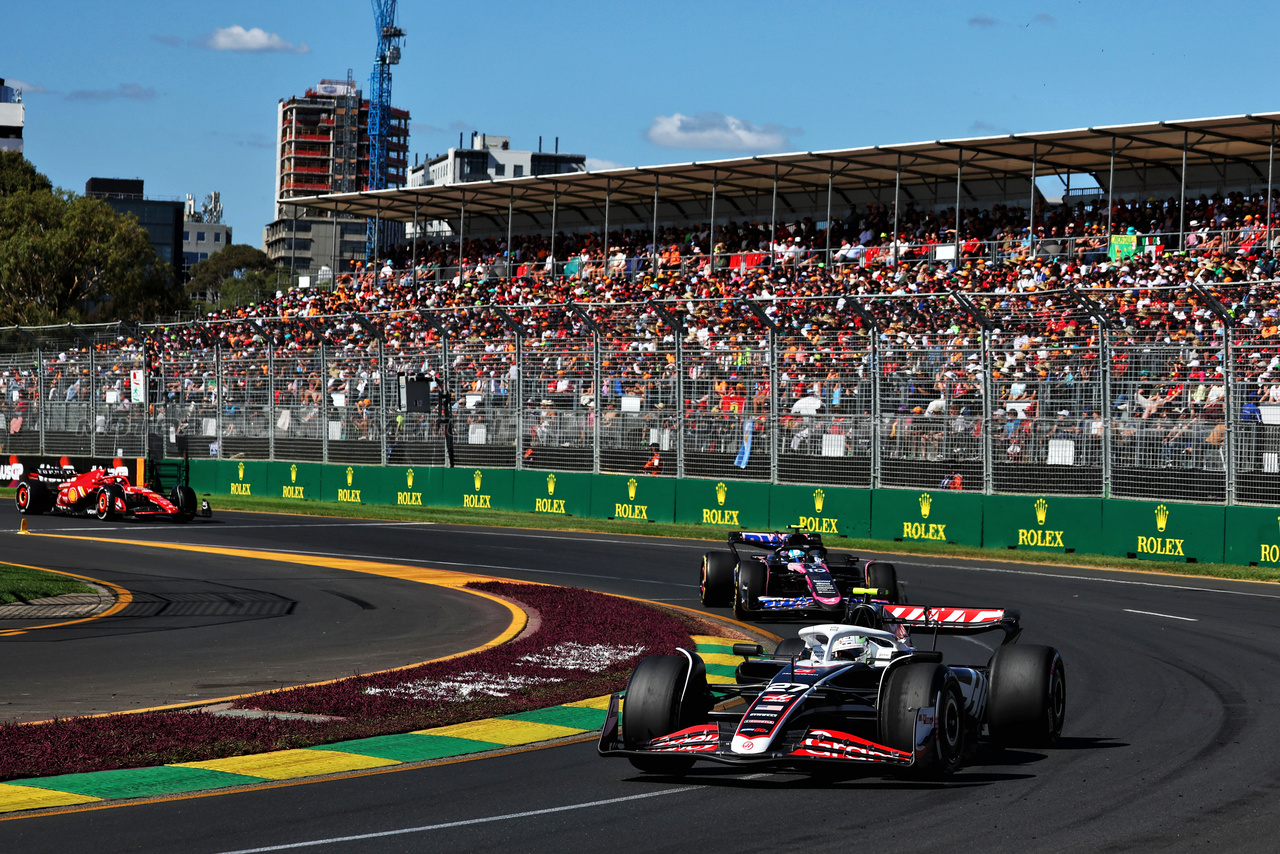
(844,696)
(792,579)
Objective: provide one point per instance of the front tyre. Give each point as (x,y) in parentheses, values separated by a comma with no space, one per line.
(915,697)
(716,581)
(1028,702)
(663,697)
(184,498)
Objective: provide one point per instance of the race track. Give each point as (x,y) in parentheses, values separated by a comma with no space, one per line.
(1168,745)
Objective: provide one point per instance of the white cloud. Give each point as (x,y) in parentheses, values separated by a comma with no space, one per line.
(27,88)
(255,40)
(716,131)
(595,164)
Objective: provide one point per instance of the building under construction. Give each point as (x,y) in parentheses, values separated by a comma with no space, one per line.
(322,146)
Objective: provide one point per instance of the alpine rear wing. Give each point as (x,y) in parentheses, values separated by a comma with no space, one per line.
(953,621)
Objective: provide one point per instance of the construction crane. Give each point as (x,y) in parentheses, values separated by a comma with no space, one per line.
(389,36)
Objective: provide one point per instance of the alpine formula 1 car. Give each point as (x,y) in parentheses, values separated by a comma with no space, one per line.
(108,496)
(793,579)
(843,696)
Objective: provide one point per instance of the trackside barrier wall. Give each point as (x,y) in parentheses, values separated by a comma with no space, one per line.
(1042,523)
(1152,530)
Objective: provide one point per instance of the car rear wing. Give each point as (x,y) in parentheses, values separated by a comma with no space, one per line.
(953,621)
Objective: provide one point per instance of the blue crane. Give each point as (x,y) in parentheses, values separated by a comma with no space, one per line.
(389,36)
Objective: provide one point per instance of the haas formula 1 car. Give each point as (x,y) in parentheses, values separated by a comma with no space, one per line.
(793,579)
(108,496)
(843,696)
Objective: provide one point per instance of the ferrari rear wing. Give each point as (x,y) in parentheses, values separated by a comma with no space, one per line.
(953,621)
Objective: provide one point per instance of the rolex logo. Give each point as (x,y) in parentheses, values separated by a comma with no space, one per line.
(477,479)
(293,473)
(926,501)
(818,498)
(551,484)
(631,489)
(408,478)
(240,469)
(1162,517)
(721,491)
(350,474)
(1042,510)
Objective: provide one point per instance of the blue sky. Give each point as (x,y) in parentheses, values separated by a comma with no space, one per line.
(184,94)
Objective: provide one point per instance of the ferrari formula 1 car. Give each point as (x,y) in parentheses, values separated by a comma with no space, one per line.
(843,696)
(108,496)
(792,579)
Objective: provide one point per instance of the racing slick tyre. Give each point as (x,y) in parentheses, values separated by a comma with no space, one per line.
(33,498)
(658,702)
(716,583)
(1028,701)
(184,498)
(924,689)
(104,507)
(883,576)
(752,580)
(789,647)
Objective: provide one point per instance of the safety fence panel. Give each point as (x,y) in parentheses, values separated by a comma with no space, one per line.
(1163,530)
(244,394)
(639,403)
(825,411)
(1051,523)
(20,398)
(301,407)
(414,438)
(356,410)
(483,379)
(1255,425)
(69,419)
(119,398)
(557,392)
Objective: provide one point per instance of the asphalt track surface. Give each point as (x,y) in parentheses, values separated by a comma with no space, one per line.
(1169,742)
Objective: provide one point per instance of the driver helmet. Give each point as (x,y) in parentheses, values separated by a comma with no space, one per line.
(852,648)
(796,555)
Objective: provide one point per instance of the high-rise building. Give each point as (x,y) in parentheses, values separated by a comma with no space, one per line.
(322,146)
(12,118)
(160,218)
(492,157)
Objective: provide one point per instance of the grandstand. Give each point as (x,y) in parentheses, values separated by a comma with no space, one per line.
(1124,343)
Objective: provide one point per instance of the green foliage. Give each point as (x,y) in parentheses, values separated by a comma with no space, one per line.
(67,258)
(234,276)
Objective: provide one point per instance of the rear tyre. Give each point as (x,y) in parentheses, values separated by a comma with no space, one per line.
(1028,702)
(105,505)
(913,691)
(883,576)
(716,583)
(752,581)
(184,498)
(658,702)
(33,498)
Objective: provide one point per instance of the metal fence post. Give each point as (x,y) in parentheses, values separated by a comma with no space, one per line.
(381,376)
(1104,365)
(217,394)
(988,477)
(324,405)
(681,411)
(596,379)
(773,405)
(518,401)
(92,396)
(42,420)
(875,408)
(271,400)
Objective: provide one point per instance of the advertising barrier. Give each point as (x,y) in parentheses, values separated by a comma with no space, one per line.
(727,504)
(1042,523)
(356,485)
(935,516)
(1253,536)
(1160,530)
(828,510)
(246,478)
(633,499)
(54,469)
(476,489)
(295,481)
(553,493)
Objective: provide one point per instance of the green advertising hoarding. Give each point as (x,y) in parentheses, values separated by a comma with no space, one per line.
(352,484)
(411,486)
(635,498)
(244,478)
(934,515)
(295,481)
(553,493)
(832,510)
(723,503)
(476,489)
(1253,536)
(1159,530)
(1043,523)
(202,476)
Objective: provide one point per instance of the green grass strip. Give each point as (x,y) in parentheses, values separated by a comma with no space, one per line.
(574,717)
(141,782)
(21,584)
(410,747)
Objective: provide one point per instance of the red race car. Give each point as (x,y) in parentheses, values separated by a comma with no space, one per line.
(108,496)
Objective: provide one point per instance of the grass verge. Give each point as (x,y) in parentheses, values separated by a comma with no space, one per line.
(541,521)
(585,646)
(22,584)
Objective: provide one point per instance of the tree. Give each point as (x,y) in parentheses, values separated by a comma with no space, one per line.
(67,258)
(232,276)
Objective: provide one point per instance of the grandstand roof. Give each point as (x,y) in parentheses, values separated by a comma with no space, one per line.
(1243,141)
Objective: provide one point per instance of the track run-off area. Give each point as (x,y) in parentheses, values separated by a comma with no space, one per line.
(1169,740)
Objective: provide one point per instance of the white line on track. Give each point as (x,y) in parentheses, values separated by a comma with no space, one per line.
(426,828)
(1156,614)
